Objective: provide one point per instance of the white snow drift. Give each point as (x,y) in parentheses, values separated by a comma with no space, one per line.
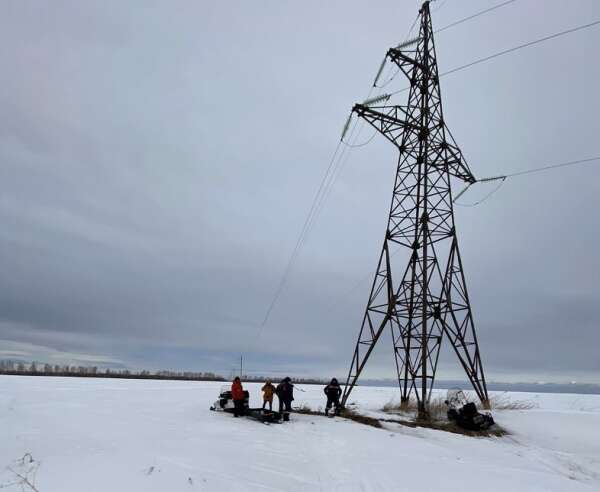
(129,435)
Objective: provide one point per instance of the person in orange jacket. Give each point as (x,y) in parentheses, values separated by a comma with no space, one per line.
(268,390)
(237,394)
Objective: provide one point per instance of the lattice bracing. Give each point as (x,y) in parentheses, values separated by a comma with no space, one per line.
(426,300)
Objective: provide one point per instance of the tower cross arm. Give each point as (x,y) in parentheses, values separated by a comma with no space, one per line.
(404,62)
(454,159)
(387,120)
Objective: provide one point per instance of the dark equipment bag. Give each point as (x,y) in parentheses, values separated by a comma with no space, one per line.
(465,413)
(467,417)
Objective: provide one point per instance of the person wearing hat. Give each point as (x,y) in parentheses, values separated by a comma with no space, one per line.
(333,392)
(268,390)
(285,394)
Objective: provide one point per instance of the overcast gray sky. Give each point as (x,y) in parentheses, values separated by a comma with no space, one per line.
(158,160)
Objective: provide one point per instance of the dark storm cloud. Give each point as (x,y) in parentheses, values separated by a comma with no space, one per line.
(158,160)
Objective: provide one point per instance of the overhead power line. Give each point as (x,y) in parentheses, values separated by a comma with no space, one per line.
(329,179)
(301,237)
(412,26)
(343,157)
(511,50)
(335,166)
(456,23)
(521,46)
(553,166)
(473,16)
(316,206)
(503,178)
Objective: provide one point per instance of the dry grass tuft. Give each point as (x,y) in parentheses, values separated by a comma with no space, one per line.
(437,423)
(501,401)
(447,426)
(306,410)
(438,418)
(437,407)
(504,402)
(346,413)
(361,419)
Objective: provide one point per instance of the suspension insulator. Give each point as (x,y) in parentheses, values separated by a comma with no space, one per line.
(346,126)
(379,72)
(376,99)
(408,43)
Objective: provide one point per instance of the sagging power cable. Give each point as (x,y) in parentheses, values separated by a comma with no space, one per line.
(501,180)
(553,166)
(300,239)
(316,206)
(511,50)
(335,167)
(362,144)
(330,174)
(460,21)
(344,156)
(456,23)
(504,177)
(319,199)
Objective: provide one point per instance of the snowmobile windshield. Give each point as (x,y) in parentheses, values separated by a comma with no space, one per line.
(456,398)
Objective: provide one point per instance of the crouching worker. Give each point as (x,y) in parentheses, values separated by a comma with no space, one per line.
(268,390)
(333,392)
(237,395)
(285,394)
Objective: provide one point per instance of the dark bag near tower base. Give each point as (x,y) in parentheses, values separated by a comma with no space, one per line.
(465,413)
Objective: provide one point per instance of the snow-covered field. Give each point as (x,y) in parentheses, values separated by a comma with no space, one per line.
(128,435)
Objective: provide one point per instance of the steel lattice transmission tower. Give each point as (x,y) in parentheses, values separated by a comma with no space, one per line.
(427,298)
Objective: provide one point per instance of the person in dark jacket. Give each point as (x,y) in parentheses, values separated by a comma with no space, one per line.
(333,392)
(237,395)
(285,393)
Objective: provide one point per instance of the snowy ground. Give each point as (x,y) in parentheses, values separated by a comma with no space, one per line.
(127,435)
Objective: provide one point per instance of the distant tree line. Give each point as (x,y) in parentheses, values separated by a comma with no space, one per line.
(259,379)
(21,368)
(37,369)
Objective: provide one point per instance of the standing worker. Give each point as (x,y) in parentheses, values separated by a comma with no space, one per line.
(333,392)
(285,393)
(268,390)
(237,394)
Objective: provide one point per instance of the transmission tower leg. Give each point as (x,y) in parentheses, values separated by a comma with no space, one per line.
(458,323)
(412,344)
(377,315)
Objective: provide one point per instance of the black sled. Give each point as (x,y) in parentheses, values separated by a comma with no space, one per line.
(225,404)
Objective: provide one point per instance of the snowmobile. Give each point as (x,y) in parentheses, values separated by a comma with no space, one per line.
(225,404)
(225,401)
(464,413)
